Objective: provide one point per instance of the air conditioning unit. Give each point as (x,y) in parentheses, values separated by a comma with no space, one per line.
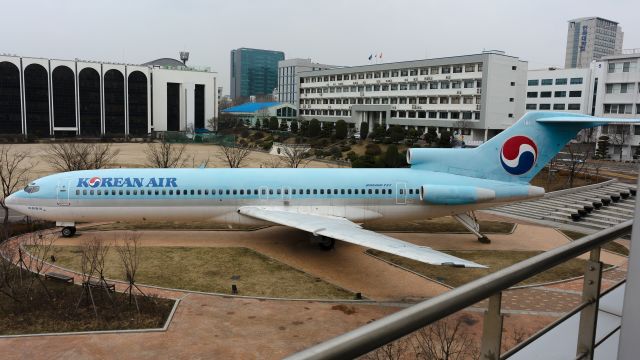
(459,92)
(429,78)
(448,77)
(478,107)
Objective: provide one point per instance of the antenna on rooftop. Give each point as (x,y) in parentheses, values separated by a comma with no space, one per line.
(184,56)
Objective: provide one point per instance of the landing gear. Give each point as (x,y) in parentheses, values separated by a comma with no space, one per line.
(469,221)
(327,243)
(68,231)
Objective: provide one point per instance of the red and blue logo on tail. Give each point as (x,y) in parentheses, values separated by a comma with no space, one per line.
(518,155)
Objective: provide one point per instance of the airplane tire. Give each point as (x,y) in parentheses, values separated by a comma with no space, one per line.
(327,244)
(68,231)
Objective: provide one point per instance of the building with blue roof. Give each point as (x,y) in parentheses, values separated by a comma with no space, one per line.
(252,112)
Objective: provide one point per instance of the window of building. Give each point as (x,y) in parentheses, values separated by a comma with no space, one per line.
(617,108)
(545,107)
(435,70)
(560,94)
(444,85)
(545,94)
(424,71)
(468,84)
(443,115)
(404,72)
(456,84)
(413,72)
(469,68)
(558,106)
(576,93)
(625,66)
(546,81)
(394,87)
(531,106)
(573,107)
(561,81)
(576,81)
(433,85)
(532,83)
(446,69)
(467,100)
(513,83)
(457,69)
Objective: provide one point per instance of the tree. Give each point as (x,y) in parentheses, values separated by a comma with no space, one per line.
(283,125)
(212,123)
(234,155)
(602,151)
(341,129)
(295,155)
(578,155)
(618,136)
(364,130)
(379,132)
(445,340)
(392,158)
(129,253)
(431,137)
(294,126)
(304,128)
(78,156)
(445,139)
(327,128)
(166,155)
(273,123)
(265,123)
(14,170)
(314,128)
(396,133)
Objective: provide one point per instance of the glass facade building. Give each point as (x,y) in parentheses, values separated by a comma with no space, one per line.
(254,72)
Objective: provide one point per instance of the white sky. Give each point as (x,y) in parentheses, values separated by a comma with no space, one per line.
(327,31)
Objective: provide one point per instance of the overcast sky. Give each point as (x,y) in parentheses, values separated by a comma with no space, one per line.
(327,31)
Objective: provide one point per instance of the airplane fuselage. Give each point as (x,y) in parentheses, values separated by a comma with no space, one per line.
(360,195)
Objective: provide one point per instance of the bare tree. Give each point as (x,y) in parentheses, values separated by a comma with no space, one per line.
(296,155)
(79,156)
(166,155)
(14,169)
(396,350)
(578,155)
(40,247)
(234,155)
(88,258)
(618,135)
(212,123)
(129,253)
(10,274)
(445,340)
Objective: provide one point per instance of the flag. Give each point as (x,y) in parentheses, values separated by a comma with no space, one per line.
(370,56)
(376,56)
(380,55)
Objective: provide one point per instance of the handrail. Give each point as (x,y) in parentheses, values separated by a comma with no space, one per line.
(378,333)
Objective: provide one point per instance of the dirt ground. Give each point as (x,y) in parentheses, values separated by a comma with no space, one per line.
(133,155)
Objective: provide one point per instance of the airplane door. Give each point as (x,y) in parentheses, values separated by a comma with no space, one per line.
(401,193)
(62,192)
(263,193)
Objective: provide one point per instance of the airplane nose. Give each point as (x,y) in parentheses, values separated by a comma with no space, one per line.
(10,200)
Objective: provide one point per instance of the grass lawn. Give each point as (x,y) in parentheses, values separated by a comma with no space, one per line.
(611,245)
(37,314)
(440,225)
(495,260)
(169,225)
(210,269)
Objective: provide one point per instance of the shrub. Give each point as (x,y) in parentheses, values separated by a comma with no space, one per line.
(373,150)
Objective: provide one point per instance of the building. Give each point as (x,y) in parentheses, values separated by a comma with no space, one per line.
(559,90)
(288,71)
(616,86)
(254,72)
(482,93)
(50,97)
(250,113)
(590,39)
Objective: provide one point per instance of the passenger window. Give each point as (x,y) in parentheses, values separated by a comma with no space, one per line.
(293,192)
(99,192)
(377,191)
(220,192)
(77,192)
(135,192)
(321,191)
(84,192)
(206,192)
(120,192)
(315,191)
(349,191)
(270,191)
(410,191)
(164,192)
(363,192)
(301,191)
(235,192)
(384,191)
(255,192)
(401,191)
(90,192)
(170,192)
(177,192)
(128,192)
(157,192)
(113,192)
(390,191)
(264,192)
(370,191)
(241,191)
(417,191)
(308,191)
(335,191)
(329,191)
(199,192)
(193,192)
(355,191)
(286,191)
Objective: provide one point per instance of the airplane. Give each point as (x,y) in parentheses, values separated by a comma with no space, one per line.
(328,203)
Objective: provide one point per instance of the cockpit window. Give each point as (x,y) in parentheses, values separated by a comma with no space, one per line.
(30,189)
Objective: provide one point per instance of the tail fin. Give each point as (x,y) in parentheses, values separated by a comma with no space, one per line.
(516,154)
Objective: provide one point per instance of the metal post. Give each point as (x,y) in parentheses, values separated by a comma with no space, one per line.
(492,329)
(589,315)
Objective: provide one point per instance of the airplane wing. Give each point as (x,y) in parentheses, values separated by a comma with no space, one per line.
(342,229)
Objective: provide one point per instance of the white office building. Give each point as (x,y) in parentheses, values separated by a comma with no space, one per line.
(49,97)
(559,90)
(617,88)
(482,93)
(591,38)
(288,71)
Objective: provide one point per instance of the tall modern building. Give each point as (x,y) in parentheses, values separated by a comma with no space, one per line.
(288,71)
(482,93)
(51,97)
(591,39)
(254,72)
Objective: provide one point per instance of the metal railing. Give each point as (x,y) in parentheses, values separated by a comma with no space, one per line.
(376,334)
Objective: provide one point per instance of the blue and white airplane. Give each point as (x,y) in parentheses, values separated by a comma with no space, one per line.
(328,203)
